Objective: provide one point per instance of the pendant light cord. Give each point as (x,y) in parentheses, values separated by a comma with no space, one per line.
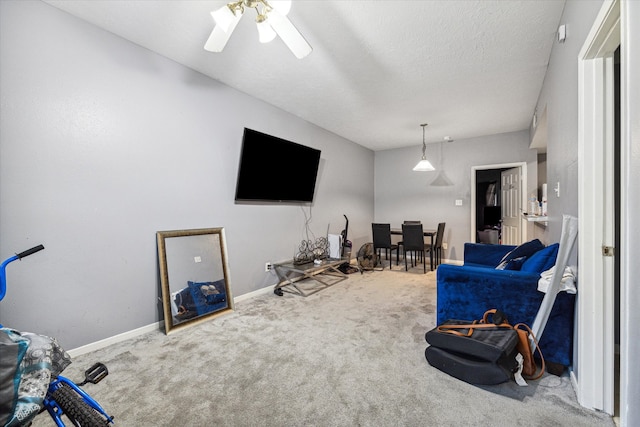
(424,144)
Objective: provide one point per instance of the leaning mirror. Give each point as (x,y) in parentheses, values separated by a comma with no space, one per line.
(193,275)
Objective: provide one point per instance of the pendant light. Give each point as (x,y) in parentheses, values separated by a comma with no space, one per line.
(424,165)
(442,180)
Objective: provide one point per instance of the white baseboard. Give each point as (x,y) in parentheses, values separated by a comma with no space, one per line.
(574,383)
(149,328)
(253,294)
(115,339)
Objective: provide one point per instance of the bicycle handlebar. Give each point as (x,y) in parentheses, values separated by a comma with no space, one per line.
(30,251)
(3,266)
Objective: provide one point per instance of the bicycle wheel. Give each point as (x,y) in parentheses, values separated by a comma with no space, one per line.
(79,412)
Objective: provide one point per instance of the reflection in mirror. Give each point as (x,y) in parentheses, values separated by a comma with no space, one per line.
(194,276)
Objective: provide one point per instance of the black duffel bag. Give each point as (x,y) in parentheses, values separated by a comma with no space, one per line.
(477,353)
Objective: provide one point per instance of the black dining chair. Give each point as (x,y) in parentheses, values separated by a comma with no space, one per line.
(407,222)
(413,243)
(382,240)
(436,250)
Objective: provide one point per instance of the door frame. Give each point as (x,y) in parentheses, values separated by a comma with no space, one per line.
(523,194)
(593,374)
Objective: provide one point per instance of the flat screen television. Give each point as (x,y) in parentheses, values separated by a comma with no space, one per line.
(273,169)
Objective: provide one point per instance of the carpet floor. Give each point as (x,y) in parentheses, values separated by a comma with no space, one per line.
(350,355)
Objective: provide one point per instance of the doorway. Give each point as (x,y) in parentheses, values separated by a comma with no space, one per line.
(599,209)
(489,206)
(487,192)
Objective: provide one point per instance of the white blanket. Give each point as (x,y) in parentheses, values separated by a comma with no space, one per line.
(567,282)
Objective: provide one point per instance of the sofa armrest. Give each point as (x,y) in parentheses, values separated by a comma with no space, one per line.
(466,292)
(485,254)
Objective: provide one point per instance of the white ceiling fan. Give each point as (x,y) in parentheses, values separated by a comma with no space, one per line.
(271,21)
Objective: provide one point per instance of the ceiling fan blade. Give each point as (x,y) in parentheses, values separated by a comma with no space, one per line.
(219,38)
(282,6)
(289,34)
(223,17)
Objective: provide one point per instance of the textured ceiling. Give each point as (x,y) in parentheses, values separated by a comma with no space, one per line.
(378,68)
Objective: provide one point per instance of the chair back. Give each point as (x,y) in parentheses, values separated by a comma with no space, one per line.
(439,235)
(381,235)
(408,222)
(413,237)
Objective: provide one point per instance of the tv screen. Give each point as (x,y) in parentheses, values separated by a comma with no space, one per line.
(274,169)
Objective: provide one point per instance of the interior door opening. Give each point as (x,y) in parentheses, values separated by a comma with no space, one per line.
(489,206)
(488,200)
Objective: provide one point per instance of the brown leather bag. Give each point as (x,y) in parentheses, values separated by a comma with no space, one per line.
(494,319)
(529,367)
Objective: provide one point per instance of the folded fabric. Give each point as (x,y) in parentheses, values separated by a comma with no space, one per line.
(28,363)
(567,282)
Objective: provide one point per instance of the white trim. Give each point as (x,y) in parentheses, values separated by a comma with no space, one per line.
(115,339)
(604,36)
(594,333)
(523,194)
(630,204)
(256,293)
(158,326)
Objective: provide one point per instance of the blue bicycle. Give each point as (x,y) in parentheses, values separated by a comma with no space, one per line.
(63,396)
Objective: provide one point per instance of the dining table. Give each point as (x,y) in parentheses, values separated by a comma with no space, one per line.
(427,233)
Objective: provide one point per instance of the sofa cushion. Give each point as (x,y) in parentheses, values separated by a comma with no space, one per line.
(524,250)
(512,264)
(485,255)
(542,260)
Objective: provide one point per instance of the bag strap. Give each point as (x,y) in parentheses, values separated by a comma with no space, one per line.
(470,327)
(498,321)
(535,340)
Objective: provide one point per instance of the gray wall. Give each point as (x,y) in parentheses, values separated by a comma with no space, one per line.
(103,143)
(402,194)
(560,96)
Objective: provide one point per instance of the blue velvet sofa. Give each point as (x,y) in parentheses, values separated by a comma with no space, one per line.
(466,291)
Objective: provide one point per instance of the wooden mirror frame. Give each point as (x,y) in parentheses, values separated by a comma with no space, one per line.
(205,297)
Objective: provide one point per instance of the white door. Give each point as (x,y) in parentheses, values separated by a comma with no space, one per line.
(511,193)
(595,367)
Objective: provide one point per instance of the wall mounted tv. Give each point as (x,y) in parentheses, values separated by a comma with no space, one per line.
(273,169)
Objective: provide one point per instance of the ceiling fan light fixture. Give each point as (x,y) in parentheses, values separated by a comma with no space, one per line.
(265,32)
(271,21)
